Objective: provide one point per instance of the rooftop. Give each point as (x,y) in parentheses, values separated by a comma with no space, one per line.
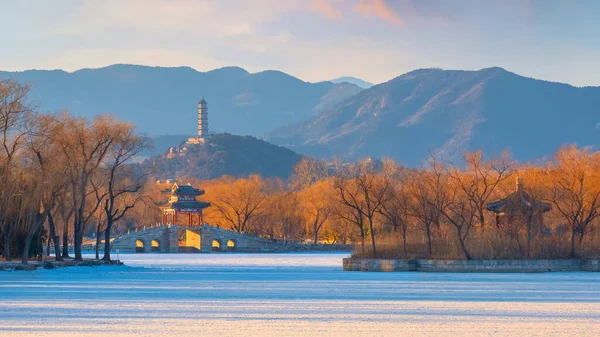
(518,202)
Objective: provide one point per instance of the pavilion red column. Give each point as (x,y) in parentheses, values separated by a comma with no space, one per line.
(189,218)
(175,217)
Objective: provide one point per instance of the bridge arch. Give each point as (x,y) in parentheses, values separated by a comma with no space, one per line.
(231,244)
(216,245)
(140,246)
(155,245)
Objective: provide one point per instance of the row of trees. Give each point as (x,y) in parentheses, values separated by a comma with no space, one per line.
(437,211)
(63,176)
(63,171)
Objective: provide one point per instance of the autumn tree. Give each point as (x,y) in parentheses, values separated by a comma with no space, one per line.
(50,173)
(396,210)
(283,218)
(316,201)
(237,203)
(14,108)
(84,146)
(574,189)
(308,172)
(123,183)
(480,179)
(362,190)
(425,190)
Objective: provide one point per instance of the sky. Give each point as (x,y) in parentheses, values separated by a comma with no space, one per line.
(314,40)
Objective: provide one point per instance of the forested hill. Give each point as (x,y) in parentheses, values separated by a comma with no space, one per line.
(162,100)
(226,154)
(449,112)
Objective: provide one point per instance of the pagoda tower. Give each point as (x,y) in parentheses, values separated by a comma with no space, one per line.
(202,118)
(202,124)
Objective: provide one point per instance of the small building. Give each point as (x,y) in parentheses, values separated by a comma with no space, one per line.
(519,209)
(182,207)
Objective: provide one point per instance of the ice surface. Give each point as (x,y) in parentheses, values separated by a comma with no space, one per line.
(290,295)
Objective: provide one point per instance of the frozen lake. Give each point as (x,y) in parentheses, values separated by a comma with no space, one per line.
(290,295)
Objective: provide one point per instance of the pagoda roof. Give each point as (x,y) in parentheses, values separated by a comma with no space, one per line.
(191,204)
(186,190)
(518,202)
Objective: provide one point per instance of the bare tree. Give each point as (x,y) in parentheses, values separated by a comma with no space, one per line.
(240,202)
(396,210)
(426,190)
(574,188)
(308,172)
(13,110)
(317,206)
(454,201)
(123,183)
(84,148)
(481,179)
(362,190)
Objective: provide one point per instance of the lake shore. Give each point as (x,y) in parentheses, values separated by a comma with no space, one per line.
(52,264)
(470,266)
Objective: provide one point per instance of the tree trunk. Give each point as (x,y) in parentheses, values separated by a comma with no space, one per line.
(65,244)
(7,245)
(462,245)
(372,236)
(98,241)
(25,255)
(78,240)
(54,237)
(48,246)
(428,230)
(107,239)
(404,240)
(573,234)
(362,238)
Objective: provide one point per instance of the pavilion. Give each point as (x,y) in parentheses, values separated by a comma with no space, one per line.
(519,208)
(182,207)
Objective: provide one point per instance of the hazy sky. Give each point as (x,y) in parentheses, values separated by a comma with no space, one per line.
(314,40)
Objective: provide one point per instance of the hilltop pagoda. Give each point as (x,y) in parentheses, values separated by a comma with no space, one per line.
(182,205)
(202,123)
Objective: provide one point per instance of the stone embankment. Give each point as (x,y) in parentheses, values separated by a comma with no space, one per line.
(34,265)
(471,266)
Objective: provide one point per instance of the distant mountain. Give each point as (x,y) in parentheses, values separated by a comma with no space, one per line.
(450,112)
(226,154)
(164,100)
(353,80)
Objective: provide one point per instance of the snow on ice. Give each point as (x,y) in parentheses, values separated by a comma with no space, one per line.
(290,295)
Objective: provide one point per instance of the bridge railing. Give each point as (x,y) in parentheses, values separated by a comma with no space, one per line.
(169,225)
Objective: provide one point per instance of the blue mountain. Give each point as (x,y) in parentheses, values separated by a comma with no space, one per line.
(449,112)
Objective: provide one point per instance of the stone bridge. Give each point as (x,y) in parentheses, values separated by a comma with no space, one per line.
(186,239)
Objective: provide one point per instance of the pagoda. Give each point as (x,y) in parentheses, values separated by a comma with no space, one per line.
(182,205)
(202,123)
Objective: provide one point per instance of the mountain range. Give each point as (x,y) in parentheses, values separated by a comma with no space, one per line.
(450,112)
(427,110)
(164,100)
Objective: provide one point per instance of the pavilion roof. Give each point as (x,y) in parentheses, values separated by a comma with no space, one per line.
(518,202)
(187,190)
